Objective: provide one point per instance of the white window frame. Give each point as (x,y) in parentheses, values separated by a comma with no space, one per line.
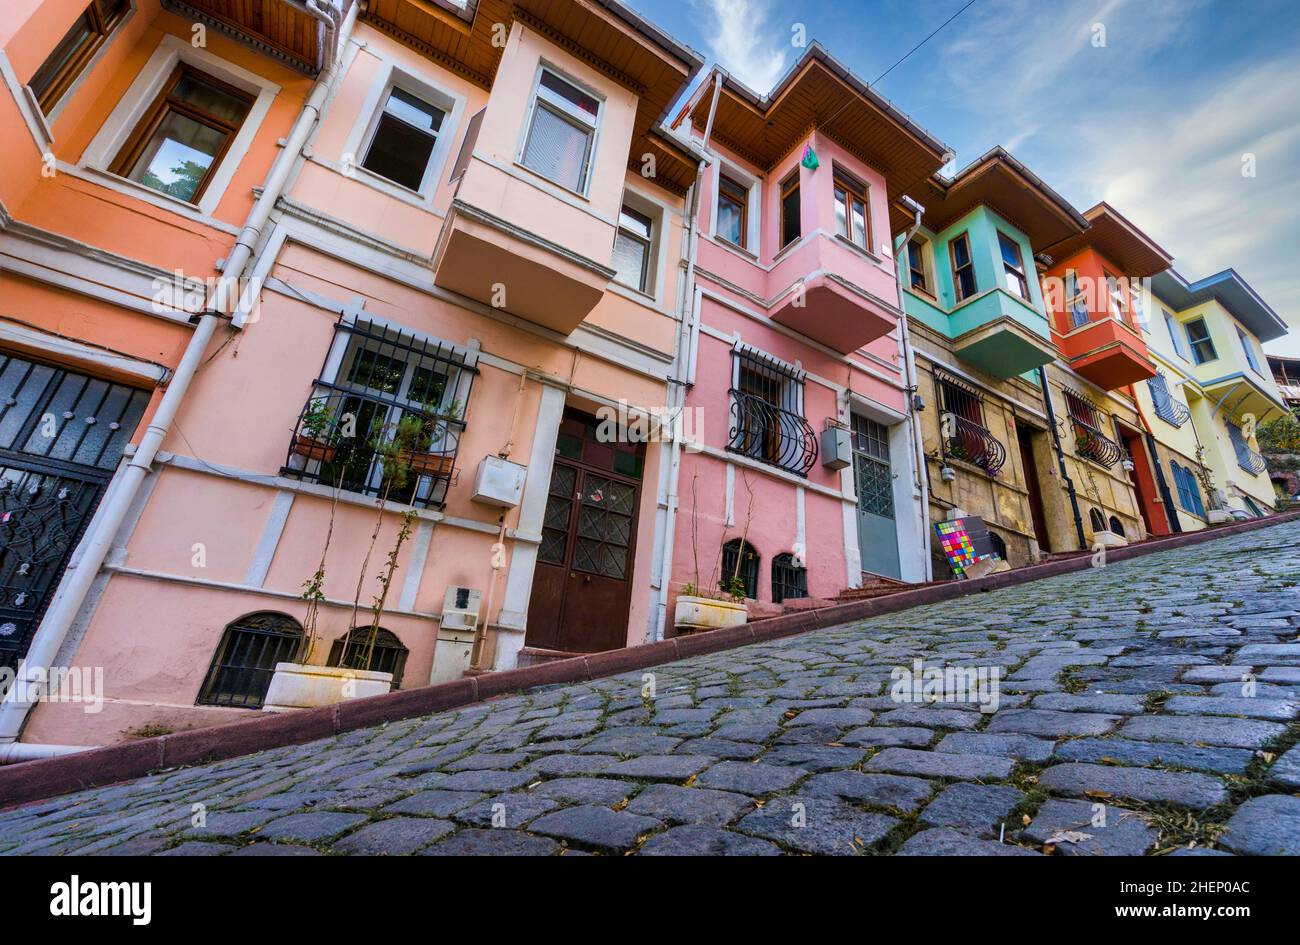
(659,215)
(126,115)
(753,215)
(599,121)
(363,130)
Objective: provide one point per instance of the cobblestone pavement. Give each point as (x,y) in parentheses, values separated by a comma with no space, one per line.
(1123,726)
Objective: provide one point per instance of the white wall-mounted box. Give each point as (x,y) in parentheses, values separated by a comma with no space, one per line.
(499,482)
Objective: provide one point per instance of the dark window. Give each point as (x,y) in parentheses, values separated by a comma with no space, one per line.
(852,219)
(999,545)
(1097,520)
(404,139)
(733,211)
(183,136)
(790,209)
(245,660)
(563,128)
(1202,344)
(74,51)
(386,653)
(632,249)
(1013,267)
(740,562)
(962,427)
(1089,441)
(788,579)
(963,267)
(1117,526)
(916,266)
(767,422)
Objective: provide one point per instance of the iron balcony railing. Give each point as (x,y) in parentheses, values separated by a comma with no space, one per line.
(1167,409)
(769,434)
(1249,460)
(974,444)
(356,447)
(1091,443)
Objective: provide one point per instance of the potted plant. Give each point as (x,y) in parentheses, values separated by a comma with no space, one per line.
(415,435)
(315,436)
(698,609)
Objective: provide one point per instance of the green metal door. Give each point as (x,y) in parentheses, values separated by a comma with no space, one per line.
(877,533)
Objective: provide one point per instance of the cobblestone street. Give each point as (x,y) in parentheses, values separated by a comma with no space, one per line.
(1123,727)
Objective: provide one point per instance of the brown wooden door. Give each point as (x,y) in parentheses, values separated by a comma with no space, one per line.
(1025,439)
(583,579)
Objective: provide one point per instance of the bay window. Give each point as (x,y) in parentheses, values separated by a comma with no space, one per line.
(561,132)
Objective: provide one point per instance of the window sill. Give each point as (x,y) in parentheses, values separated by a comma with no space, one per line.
(557,189)
(741,251)
(130,188)
(844,240)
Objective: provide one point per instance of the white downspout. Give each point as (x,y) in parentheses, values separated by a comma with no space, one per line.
(684,369)
(77,581)
(909,367)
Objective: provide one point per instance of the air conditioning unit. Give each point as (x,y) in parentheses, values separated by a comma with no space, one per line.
(460,607)
(499,482)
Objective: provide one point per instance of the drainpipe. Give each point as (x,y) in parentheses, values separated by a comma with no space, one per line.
(682,368)
(921,474)
(1060,457)
(77,581)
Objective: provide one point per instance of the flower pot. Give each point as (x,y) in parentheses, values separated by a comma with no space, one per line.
(706,613)
(312,448)
(302,686)
(1108,539)
(426,464)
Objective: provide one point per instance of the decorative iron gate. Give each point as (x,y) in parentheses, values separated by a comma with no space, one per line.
(61,436)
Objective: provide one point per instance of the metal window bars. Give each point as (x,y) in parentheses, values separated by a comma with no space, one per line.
(1089,441)
(766,420)
(1167,409)
(963,434)
(789,580)
(1247,458)
(387,420)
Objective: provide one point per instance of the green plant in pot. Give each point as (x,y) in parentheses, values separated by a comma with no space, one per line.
(317,434)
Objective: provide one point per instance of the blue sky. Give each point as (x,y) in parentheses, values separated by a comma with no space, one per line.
(1156,121)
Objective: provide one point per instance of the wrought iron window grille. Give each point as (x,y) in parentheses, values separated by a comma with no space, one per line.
(767,422)
(1167,409)
(395,403)
(1089,442)
(963,435)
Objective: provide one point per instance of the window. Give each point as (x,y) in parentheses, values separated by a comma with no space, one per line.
(1115,297)
(1076,303)
(790,209)
(1189,493)
(403,140)
(740,563)
(1202,345)
(852,220)
(1013,267)
(1167,409)
(1248,350)
(384,388)
(733,211)
(963,267)
(962,426)
(632,249)
(467,143)
(386,653)
(916,266)
(1097,520)
(788,579)
(182,137)
(1089,441)
(1247,458)
(245,660)
(561,132)
(1117,526)
(1175,336)
(74,51)
(999,545)
(767,422)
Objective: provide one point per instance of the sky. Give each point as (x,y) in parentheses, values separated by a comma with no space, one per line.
(1183,114)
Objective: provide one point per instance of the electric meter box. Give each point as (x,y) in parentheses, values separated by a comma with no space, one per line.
(499,482)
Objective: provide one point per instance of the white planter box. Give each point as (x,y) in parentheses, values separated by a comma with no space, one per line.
(705,613)
(298,686)
(1108,540)
(1218,516)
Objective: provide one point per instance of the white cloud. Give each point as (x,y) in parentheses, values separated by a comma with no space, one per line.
(746,43)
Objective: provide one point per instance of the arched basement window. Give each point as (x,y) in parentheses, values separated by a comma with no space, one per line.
(1117,526)
(389,655)
(743,552)
(1097,519)
(788,579)
(999,545)
(245,660)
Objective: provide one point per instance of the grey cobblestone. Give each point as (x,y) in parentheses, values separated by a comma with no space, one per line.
(1125,688)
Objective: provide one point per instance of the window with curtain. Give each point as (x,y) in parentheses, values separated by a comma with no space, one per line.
(562,129)
(632,249)
(1076,303)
